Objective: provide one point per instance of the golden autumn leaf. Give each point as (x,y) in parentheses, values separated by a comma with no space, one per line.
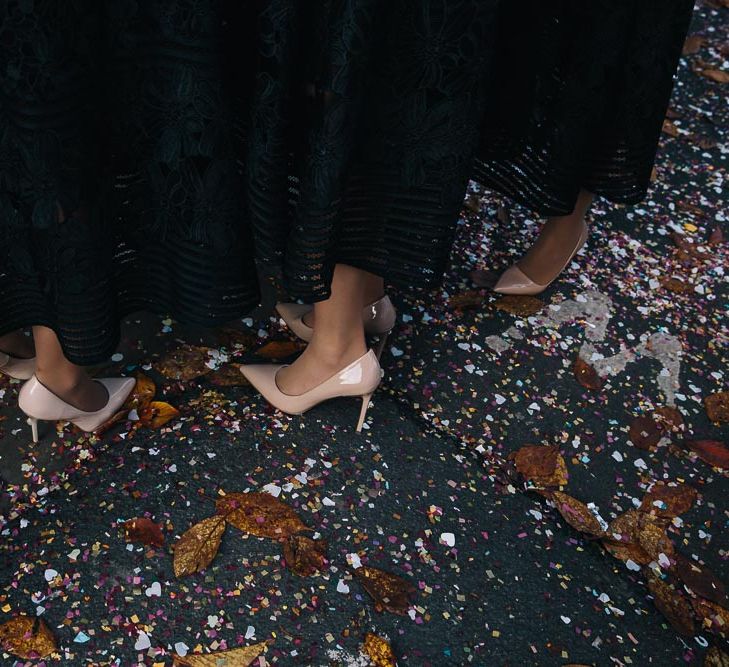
(280,349)
(543,465)
(717,406)
(654,540)
(197,547)
(142,394)
(714,616)
(236,657)
(673,605)
(157,414)
(260,514)
(466,300)
(519,305)
(27,638)
(621,539)
(390,592)
(715,657)
(185,363)
(143,531)
(305,556)
(668,500)
(586,375)
(228,375)
(379,651)
(576,514)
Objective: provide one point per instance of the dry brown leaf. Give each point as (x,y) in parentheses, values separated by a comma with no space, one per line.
(586,375)
(715,617)
(519,305)
(280,349)
(390,592)
(692,44)
(703,142)
(677,286)
(305,556)
(576,514)
(626,551)
(228,375)
(673,605)
(157,414)
(717,236)
(668,500)
(195,550)
(717,75)
(700,579)
(185,363)
(670,128)
(621,539)
(713,452)
(543,465)
(715,657)
(260,514)
(379,651)
(236,657)
(717,406)
(144,531)
(232,337)
(654,540)
(27,638)
(466,300)
(669,419)
(644,432)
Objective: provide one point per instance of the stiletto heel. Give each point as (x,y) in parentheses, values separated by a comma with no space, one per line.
(33,422)
(363,411)
(380,346)
(360,379)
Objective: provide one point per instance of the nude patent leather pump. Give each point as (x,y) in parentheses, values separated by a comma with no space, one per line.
(515,281)
(40,404)
(15,367)
(378,318)
(359,379)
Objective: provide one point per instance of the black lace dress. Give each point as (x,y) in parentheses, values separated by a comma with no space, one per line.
(150,150)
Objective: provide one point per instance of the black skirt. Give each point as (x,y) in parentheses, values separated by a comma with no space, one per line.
(150,151)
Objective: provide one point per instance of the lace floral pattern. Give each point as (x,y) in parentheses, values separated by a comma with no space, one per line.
(150,150)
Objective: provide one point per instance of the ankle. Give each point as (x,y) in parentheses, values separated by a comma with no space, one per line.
(336,353)
(61,384)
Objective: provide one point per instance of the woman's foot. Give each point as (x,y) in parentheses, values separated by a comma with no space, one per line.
(78,390)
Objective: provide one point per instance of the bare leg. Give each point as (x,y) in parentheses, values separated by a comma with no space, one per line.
(18,345)
(374,290)
(338,338)
(68,381)
(556,241)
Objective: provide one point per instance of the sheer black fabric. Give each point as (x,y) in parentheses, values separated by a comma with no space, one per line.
(150,150)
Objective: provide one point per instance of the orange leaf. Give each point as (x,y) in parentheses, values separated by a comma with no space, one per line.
(586,375)
(260,514)
(541,464)
(390,592)
(27,638)
(142,394)
(157,414)
(144,531)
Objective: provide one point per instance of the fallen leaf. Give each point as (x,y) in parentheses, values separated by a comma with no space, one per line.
(668,419)
(713,452)
(195,550)
(260,514)
(541,464)
(390,592)
(305,556)
(586,375)
(703,142)
(27,638)
(157,414)
(576,514)
(717,406)
(716,75)
(692,44)
(144,531)
(644,432)
(677,286)
(673,605)
(236,657)
(626,551)
(717,236)
(715,617)
(466,300)
(228,375)
(519,305)
(715,657)
(621,539)
(668,500)
(700,579)
(379,651)
(232,337)
(654,540)
(142,394)
(280,349)
(669,128)
(484,278)
(185,363)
